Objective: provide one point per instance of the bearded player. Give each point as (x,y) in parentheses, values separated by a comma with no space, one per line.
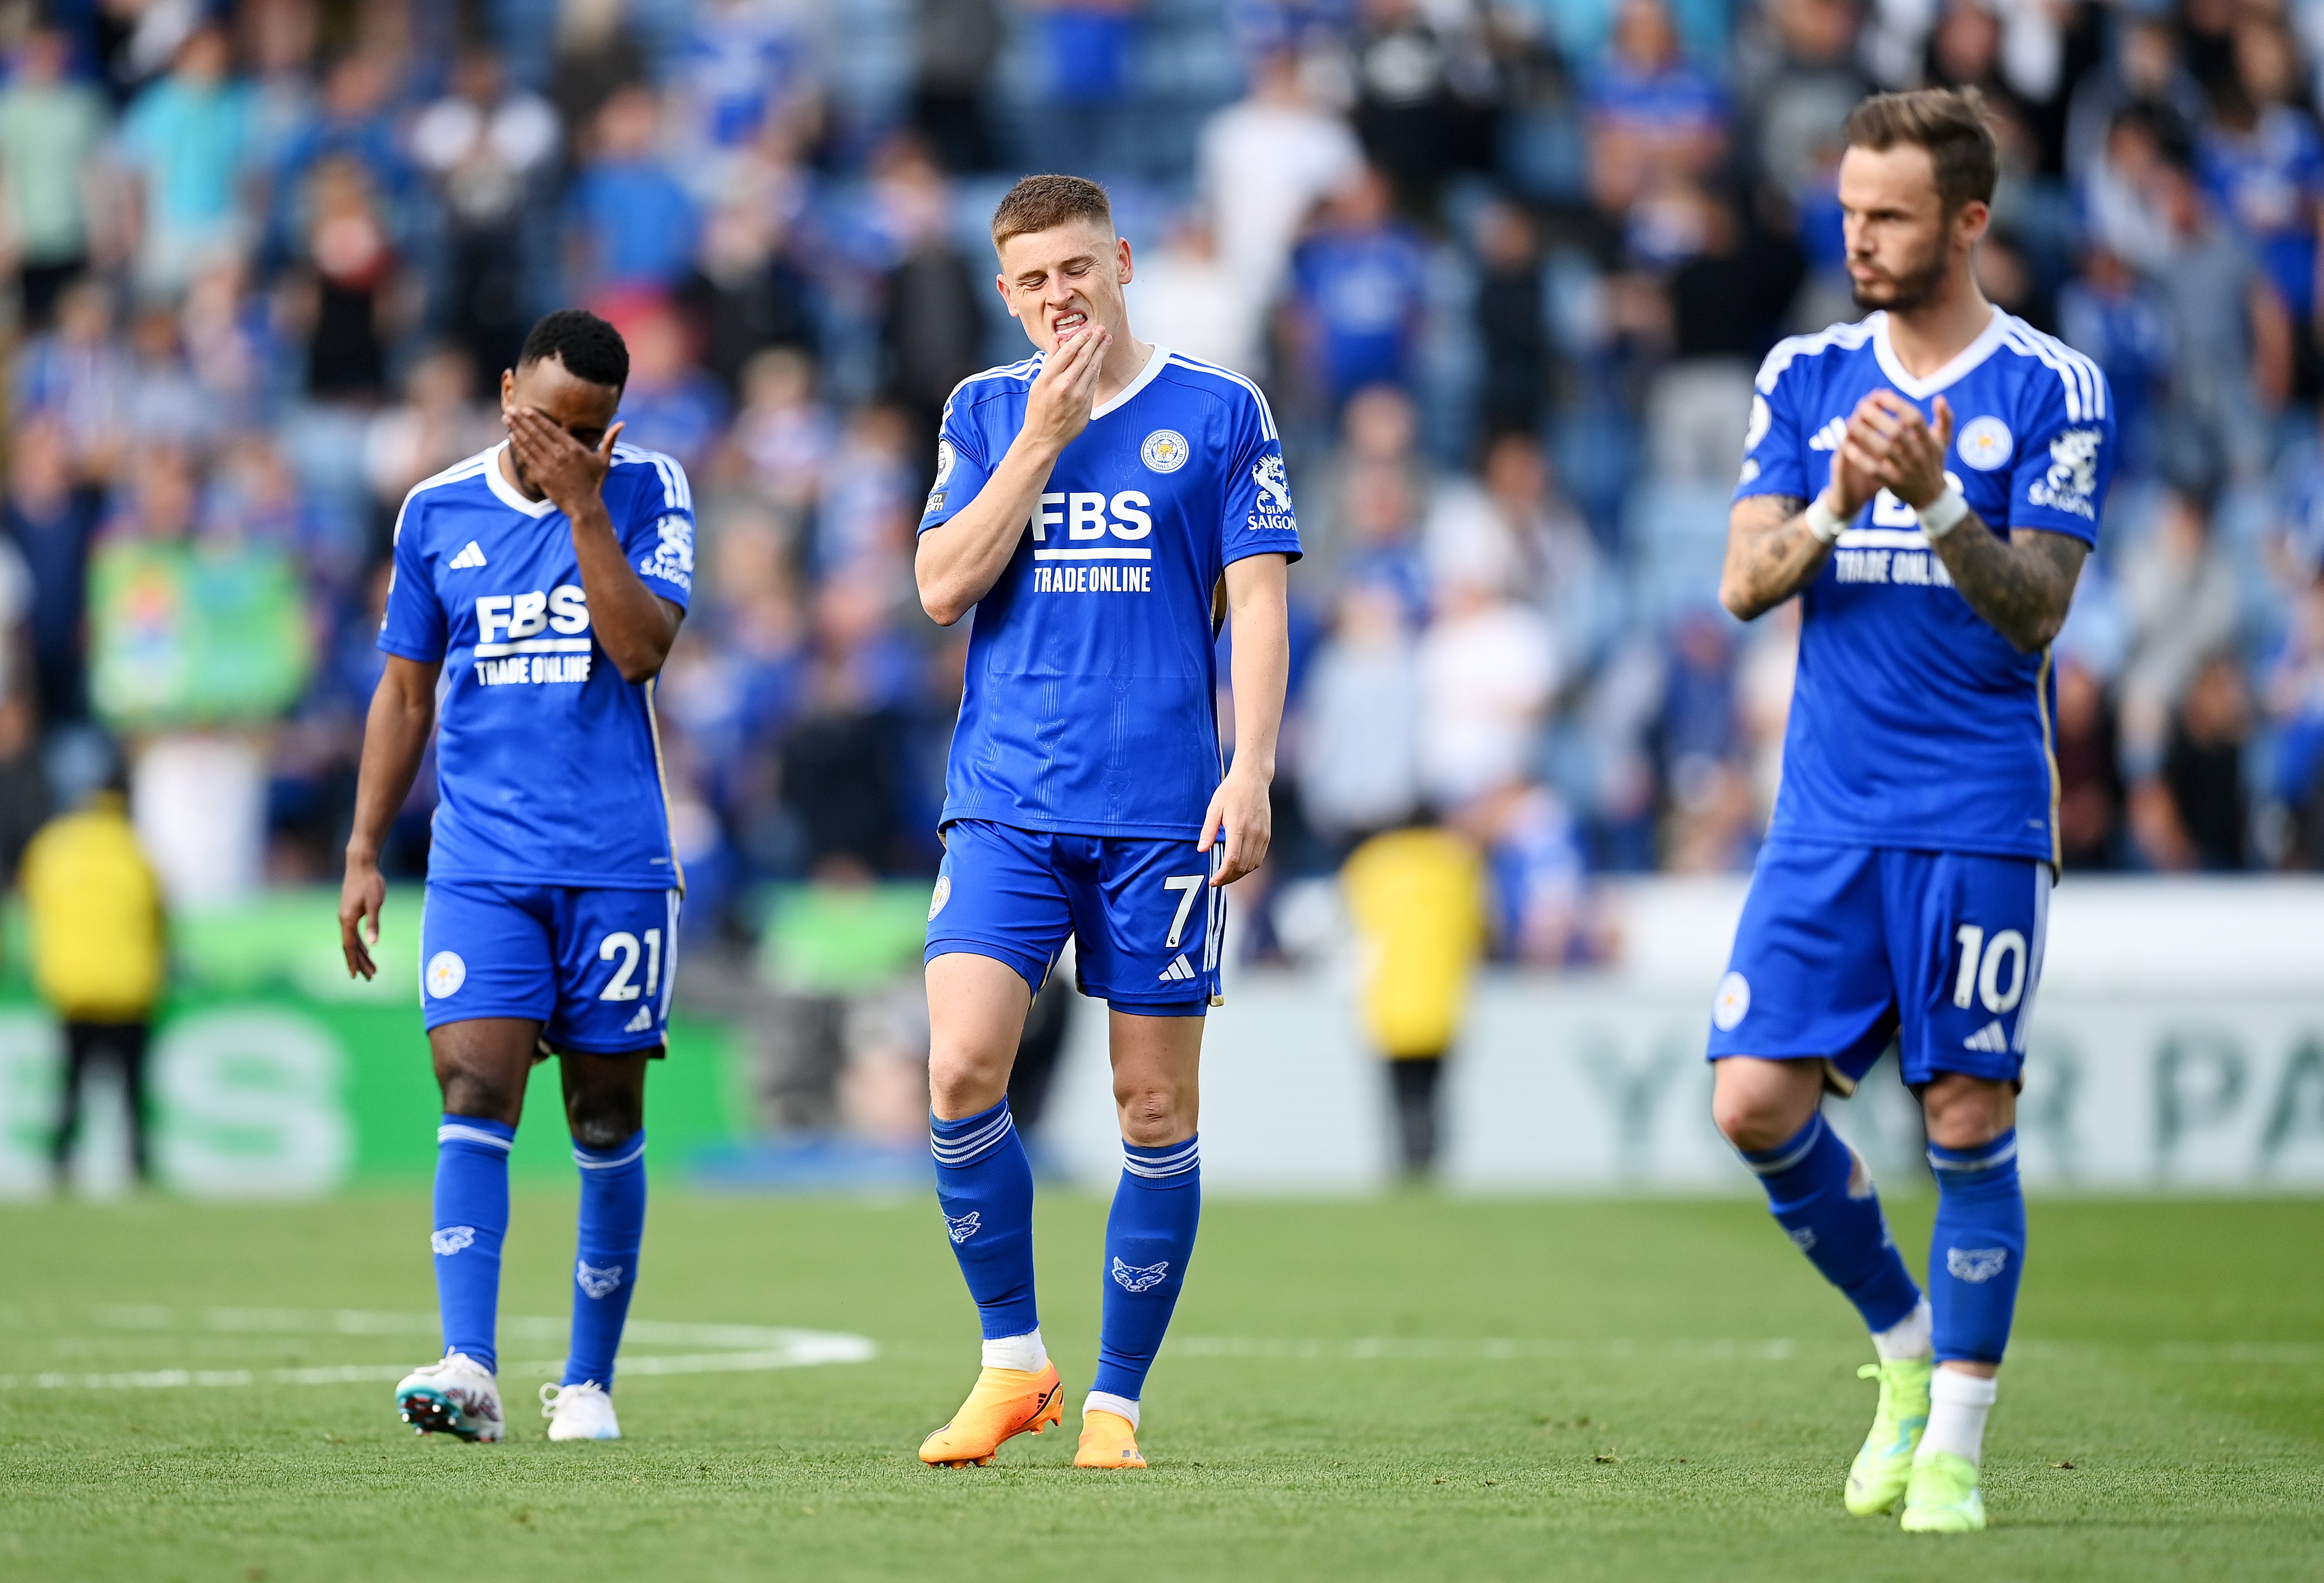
(1091,504)
(537,589)
(1929,481)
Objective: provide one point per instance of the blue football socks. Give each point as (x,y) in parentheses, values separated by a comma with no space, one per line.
(1836,1222)
(1976,1250)
(606,1266)
(984,1184)
(472,1210)
(1148,1237)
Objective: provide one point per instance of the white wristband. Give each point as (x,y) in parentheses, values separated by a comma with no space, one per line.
(1941,515)
(1823,522)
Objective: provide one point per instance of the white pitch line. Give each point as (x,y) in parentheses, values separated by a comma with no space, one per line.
(1443,1349)
(821,1348)
(748,1348)
(312,1321)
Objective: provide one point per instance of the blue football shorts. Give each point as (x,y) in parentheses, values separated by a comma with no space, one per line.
(1145,921)
(1842,948)
(593,967)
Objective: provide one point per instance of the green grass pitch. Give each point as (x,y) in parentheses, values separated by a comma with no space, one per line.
(1413,1388)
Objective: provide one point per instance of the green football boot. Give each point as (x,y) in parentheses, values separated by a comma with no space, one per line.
(1885,1466)
(1943,1496)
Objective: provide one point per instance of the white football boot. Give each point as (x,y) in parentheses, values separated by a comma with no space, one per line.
(455,1395)
(579,1413)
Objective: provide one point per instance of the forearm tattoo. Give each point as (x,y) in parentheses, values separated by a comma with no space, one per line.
(1770,553)
(2022,585)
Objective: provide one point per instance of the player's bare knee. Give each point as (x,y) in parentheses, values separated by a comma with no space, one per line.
(1754,1116)
(1966,1112)
(472,1093)
(1760,1104)
(603,1119)
(1151,1115)
(961,1085)
(1749,1122)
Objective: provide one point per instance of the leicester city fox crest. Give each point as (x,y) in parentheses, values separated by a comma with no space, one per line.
(966,1227)
(1133,1280)
(596,1281)
(451,1239)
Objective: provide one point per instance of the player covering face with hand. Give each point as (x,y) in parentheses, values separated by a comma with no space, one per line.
(1928,479)
(537,589)
(1091,502)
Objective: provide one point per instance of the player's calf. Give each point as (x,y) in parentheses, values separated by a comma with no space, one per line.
(1820,1192)
(1149,1236)
(612,1227)
(984,1188)
(1975,1256)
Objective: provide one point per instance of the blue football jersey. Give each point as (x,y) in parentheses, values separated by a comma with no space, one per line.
(1091,695)
(549,771)
(1913,723)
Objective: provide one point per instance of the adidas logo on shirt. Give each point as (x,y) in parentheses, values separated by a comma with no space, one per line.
(470,558)
(1988,1040)
(1179,969)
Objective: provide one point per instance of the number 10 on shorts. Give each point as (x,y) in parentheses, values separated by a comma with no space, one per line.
(1982,965)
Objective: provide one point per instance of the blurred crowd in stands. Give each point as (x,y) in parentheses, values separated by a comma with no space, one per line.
(1505,268)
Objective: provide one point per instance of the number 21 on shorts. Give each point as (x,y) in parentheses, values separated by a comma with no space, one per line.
(624,944)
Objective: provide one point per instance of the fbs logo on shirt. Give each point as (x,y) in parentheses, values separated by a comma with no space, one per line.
(533,638)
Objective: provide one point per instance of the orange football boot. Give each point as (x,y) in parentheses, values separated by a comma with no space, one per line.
(1004,1403)
(1108,1440)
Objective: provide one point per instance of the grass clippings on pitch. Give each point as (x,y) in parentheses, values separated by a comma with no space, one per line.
(1413,1388)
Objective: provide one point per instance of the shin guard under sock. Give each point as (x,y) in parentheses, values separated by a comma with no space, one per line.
(1820,1195)
(472,1211)
(605,1263)
(984,1184)
(1976,1249)
(1148,1237)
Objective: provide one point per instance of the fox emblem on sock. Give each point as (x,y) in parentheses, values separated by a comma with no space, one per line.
(597,1281)
(1976,1264)
(1131,1279)
(962,1229)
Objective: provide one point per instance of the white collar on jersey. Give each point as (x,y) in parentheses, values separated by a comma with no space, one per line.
(1144,377)
(1965,359)
(508,493)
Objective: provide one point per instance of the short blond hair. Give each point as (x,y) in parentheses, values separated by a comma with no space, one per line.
(1043,203)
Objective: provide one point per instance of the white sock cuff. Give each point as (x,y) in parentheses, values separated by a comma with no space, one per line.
(1963,1390)
(1025,1353)
(1106,1402)
(1907,1338)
